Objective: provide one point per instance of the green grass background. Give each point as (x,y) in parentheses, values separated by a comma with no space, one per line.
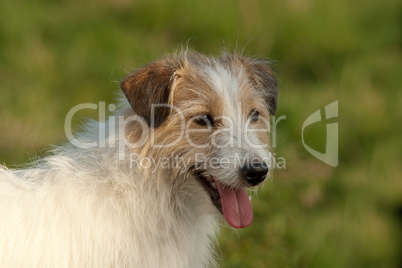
(57,54)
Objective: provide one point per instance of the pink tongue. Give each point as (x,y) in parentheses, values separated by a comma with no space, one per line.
(236,206)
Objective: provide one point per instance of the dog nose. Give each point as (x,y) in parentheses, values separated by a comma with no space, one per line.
(255,172)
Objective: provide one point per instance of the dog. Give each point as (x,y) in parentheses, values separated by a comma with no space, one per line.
(173,164)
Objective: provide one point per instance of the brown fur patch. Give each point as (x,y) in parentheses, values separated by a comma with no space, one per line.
(151,85)
(195,95)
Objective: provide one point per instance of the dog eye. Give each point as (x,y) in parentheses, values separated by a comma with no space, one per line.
(204,120)
(254,115)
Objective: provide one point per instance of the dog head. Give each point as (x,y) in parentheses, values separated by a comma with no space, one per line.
(214,114)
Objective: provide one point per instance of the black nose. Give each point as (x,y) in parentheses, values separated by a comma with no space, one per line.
(255,172)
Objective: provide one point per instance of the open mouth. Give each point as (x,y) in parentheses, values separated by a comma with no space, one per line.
(209,184)
(233,203)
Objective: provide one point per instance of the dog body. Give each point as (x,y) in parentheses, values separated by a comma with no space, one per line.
(140,190)
(82,209)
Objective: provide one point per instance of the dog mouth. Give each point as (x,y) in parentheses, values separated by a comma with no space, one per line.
(209,184)
(233,203)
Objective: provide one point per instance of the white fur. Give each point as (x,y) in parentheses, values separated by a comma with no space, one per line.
(86,208)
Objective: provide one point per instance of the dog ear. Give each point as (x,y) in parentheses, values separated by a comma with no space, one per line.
(263,77)
(149,86)
(260,75)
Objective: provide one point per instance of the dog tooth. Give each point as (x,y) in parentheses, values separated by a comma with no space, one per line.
(213,185)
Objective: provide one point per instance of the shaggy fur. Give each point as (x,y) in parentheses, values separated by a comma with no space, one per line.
(98,206)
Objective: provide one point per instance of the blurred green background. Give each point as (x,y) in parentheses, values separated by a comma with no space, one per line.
(57,54)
